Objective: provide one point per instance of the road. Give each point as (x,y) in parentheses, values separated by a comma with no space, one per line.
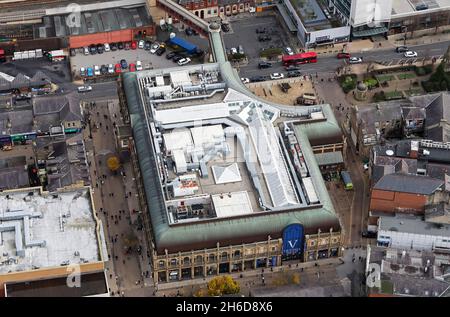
(330,63)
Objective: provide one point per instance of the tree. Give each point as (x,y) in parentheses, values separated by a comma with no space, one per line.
(113,163)
(223,285)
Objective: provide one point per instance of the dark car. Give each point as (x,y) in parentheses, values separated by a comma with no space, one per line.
(147,45)
(401,49)
(93,49)
(104,69)
(171,55)
(73,52)
(113,47)
(369,234)
(160,51)
(123,64)
(293,73)
(261,30)
(264,38)
(120,45)
(189,31)
(264,65)
(225,27)
(100,48)
(176,58)
(255,79)
(127,46)
(292,68)
(343,55)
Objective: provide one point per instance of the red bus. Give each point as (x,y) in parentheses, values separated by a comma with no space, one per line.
(302,58)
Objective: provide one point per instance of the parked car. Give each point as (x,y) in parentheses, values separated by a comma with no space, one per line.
(110,69)
(245,80)
(355,60)
(133,45)
(264,38)
(147,45)
(401,49)
(225,27)
(82,71)
(97,70)
(104,69)
(107,47)
(84,88)
(255,79)
(118,68)
(90,72)
(73,52)
(154,48)
(184,61)
(127,46)
(100,48)
(141,44)
(289,51)
(114,47)
(410,54)
(93,49)
(262,65)
(139,65)
(132,67)
(293,73)
(176,58)
(120,45)
(123,64)
(343,55)
(189,31)
(241,49)
(86,50)
(276,76)
(170,55)
(160,50)
(292,67)
(369,234)
(233,50)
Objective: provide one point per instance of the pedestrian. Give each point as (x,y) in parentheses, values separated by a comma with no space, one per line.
(120,217)
(110,275)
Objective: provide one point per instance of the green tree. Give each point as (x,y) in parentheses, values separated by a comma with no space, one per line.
(223,285)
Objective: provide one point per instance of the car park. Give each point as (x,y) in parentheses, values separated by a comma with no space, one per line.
(245,80)
(141,44)
(355,60)
(97,70)
(410,54)
(114,47)
(170,55)
(276,76)
(343,55)
(401,49)
(132,67)
(160,50)
(139,65)
(120,45)
(147,45)
(110,69)
(118,68)
(289,51)
(123,64)
(82,71)
(154,48)
(86,50)
(84,88)
(262,65)
(107,47)
(293,73)
(90,72)
(184,61)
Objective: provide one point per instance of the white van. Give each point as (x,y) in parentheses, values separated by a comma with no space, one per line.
(138,65)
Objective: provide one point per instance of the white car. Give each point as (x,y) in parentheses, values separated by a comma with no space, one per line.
(86,50)
(139,65)
(184,61)
(107,47)
(141,44)
(276,76)
(82,71)
(84,88)
(233,50)
(410,54)
(97,70)
(245,80)
(289,51)
(355,60)
(154,48)
(111,69)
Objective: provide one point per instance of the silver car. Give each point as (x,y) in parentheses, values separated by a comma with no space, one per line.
(355,60)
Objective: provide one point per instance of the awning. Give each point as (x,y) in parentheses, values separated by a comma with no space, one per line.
(370,32)
(286,18)
(329,158)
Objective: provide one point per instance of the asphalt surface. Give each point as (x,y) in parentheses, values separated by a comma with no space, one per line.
(331,63)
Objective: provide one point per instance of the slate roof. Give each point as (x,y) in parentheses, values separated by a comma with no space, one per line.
(414,184)
(20,81)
